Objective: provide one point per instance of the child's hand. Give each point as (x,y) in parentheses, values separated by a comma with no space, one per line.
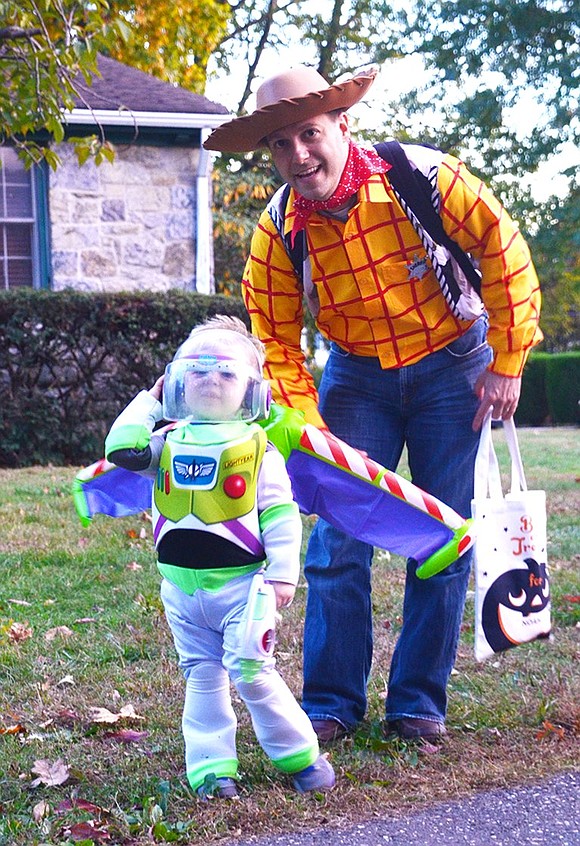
(157,389)
(284,594)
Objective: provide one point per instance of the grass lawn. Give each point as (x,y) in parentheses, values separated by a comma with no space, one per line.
(91,698)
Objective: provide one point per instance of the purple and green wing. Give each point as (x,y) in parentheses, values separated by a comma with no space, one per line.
(330,479)
(373,504)
(104,488)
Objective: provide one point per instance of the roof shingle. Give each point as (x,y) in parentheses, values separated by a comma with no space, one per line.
(121,86)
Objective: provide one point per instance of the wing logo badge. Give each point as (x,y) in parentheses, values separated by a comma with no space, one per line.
(194,471)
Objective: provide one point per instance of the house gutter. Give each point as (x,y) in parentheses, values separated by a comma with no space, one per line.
(160,120)
(204,278)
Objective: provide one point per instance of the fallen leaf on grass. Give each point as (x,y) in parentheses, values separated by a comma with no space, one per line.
(18,728)
(18,632)
(83,804)
(95,830)
(87,831)
(134,566)
(129,712)
(103,715)
(85,620)
(40,811)
(569,598)
(67,717)
(50,774)
(19,602)
(58,631)
(127,735)
(427,748)
(549,729)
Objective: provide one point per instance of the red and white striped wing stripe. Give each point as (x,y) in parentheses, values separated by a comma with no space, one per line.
(329,447)
(93,470)
(406,490)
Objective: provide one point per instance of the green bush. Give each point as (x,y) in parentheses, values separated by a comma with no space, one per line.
(70,361)
(533,409)
(550,390)
(563,387)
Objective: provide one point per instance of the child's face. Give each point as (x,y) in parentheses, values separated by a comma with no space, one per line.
(213,392)
(216,388)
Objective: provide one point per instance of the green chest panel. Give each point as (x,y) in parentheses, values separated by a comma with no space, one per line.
(215,482)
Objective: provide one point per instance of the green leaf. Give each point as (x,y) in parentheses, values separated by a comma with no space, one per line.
(51,158)
(83,153)
(163,832)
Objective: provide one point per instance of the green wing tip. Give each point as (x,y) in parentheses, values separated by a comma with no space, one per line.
(462,540)
(80,503)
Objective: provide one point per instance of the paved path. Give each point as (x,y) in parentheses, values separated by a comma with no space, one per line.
(545,814)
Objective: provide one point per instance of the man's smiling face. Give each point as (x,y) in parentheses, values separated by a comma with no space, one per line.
(310,155)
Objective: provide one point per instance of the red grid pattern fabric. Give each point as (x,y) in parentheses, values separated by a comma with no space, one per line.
(378,294)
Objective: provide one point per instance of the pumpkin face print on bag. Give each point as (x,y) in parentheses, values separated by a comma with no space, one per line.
(519,600)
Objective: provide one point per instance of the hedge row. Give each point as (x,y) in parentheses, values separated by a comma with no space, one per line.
(70,361)
(550,390)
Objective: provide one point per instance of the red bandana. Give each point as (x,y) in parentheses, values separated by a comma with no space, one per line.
(361,163)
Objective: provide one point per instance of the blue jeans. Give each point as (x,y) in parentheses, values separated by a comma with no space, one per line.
(429,406)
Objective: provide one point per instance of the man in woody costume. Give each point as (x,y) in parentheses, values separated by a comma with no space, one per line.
(403,369)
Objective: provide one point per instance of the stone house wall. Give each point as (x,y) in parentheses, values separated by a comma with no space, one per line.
(125,225)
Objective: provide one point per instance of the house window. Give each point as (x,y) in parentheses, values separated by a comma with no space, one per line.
(23,230)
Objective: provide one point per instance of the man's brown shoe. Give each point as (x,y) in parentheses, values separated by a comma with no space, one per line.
(328,730)
(414,728)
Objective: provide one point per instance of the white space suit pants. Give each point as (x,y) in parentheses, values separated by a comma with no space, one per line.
(204,628)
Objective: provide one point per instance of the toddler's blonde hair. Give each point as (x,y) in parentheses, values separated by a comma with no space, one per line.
(223,325)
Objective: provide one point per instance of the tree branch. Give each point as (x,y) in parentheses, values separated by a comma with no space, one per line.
(255,23)
(11,33)
(269,17)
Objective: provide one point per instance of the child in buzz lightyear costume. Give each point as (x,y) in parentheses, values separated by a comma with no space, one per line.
(222,511)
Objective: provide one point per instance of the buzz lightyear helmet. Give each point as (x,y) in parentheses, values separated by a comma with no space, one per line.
(216,377)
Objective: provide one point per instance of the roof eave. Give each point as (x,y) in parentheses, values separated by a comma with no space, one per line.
(126,117)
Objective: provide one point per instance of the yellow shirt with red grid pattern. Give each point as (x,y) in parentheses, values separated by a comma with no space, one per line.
(378,293)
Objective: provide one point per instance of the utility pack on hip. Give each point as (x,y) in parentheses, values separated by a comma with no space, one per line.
(413,178)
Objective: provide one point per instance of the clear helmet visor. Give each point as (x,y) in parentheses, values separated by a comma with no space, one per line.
(208,388)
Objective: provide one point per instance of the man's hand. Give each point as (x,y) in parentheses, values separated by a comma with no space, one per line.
(500,393)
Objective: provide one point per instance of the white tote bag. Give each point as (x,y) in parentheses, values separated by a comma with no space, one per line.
(512,588)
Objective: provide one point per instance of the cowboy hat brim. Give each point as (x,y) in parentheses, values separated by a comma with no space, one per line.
(247,133)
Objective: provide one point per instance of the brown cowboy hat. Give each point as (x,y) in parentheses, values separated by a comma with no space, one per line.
(296,94)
